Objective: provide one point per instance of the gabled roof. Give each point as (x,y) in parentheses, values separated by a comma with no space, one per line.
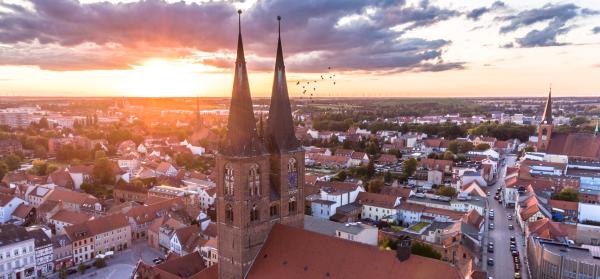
(401,192)
(546,228)
(473,218)
(336,187)
(22,211)
(564,205)
(376,200)
(291,252)
(70,217)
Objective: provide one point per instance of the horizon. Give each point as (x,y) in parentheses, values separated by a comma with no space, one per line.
(438,50)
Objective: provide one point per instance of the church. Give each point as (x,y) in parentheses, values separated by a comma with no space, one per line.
(576,146)
(260,206)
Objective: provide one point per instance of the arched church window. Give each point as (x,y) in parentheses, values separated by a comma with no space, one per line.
(229,180)
(229,214)
(254,213)
(292,205)
(292,170)
(254,180)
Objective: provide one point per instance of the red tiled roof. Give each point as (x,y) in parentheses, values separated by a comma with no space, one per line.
(70,217)
(22,211)
(435,164)
(377,200)
(295,253)
(401,192)
(580,145)
(546,228)
(564,205)
(96,226)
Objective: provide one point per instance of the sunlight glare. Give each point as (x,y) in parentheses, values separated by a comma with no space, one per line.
(162,78)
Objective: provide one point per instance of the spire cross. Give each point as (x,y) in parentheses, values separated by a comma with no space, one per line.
(279,26)
(239,21)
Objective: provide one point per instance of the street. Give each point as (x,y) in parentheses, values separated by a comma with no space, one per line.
(503,267)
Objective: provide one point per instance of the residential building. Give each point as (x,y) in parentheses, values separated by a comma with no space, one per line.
(552,259)
(98,236)
(44,251)
(17,253)
(64,218)
(8,205)
(378,207)
(333,195)
(127,192)
(358,232)
(62,251)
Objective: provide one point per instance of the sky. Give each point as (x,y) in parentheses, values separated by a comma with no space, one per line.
(354,48)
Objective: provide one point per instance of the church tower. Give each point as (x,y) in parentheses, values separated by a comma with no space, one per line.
(545,127)
(286,153)
(243,188)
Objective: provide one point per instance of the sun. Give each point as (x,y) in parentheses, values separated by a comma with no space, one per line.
(162,78)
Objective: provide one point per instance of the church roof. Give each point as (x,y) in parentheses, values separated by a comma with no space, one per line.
(582,145)
(242,138)
(291,252)
(280,132)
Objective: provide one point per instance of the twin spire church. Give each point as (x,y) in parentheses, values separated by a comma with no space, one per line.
(260,179)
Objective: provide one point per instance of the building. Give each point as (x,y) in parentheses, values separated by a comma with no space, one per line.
(14,118)
(17,248)
(334,194)
(358,232)
(44,251)
(62,252)
(259,183)
(127,192)
(378,207)
(8,205)
(552,259)
(64,218)
(98,236)
(190,266)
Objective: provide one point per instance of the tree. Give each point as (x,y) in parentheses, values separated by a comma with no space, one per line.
(409,167)
(43,123)
(185,160)
(103,172)
(81,268)
(13,162)
(40,167)
(375,185)
(99,154)
(40,151)
(3,169)
(567,194)
(100,263)
(482,147)
(425,250)
(448,156)
(340,176)
(446,191)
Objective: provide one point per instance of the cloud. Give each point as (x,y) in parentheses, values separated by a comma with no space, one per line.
(596,30)
(557,17)
(352,35)
(475,14)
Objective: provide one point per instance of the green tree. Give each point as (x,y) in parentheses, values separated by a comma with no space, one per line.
(103,172)
(375,185)
(340,176)
(13,162)
(40,167)
(39,151)
(425,250)
(448,155)
(446,191)
(482,147)
(81,268)
(100,263)
(567,194)
(409,167)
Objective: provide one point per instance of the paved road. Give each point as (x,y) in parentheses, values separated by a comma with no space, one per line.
(503,263)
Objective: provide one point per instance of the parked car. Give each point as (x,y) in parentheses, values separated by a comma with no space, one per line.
(511,227)
(490,261)
(517,275)
(491,226)
(512,238)
(509,217)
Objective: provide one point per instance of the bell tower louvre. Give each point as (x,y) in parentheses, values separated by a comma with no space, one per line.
(258,185)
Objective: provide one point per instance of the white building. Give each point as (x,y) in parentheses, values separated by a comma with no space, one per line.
(17,253)
(8,205)
(44,250)
(358,232)
(378,206)
(333,195)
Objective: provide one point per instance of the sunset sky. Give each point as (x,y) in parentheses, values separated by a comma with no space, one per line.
(376,48)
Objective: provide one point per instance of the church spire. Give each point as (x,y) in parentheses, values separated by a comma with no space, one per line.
(280,133)
(597,131)
(547,117)
(242,138)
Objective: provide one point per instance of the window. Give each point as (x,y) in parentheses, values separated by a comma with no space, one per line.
(292,173)
(229,214)
(254,180)
(273,210)
(229,180)
(254,213)
(292,205)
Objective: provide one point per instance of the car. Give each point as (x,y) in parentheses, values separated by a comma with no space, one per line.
(492,211)
(158,260)
(491,243)
(517,267)
(509,217)
(512,238)
(515,253)
(517,275)
(511,227)
(491,226)
(490,249)
(490,261)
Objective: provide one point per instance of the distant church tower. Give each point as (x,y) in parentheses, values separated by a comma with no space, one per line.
(249,200)
(545,127)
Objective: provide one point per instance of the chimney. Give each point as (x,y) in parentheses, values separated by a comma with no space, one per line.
(403,248)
